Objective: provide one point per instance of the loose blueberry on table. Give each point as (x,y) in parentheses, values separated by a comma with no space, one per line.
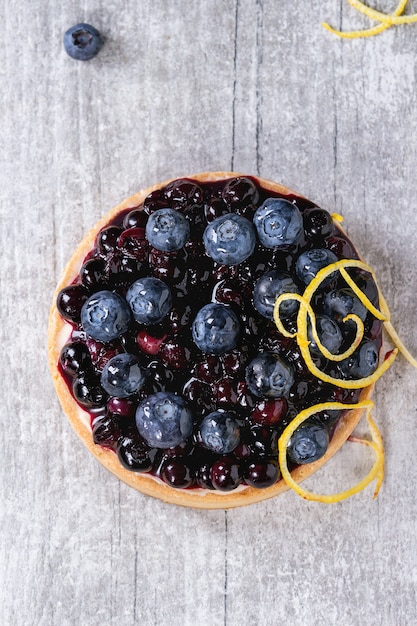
(82,42)
(174,351)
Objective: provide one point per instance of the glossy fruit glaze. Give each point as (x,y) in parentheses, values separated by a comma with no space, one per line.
(232,434)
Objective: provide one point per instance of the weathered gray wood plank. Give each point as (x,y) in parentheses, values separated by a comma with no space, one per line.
(253,85)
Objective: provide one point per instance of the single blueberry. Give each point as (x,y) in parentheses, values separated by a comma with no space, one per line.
(309,263)
(167,230)
(82,42)
(362,363)
(279,223)
(267,289)
(229,239)
(122,376)
(308,443)
(267,376)
(150,300)
(219,432)
(318,223)
(215,329)
(342,302)
(164,420)
(329,334)
(105,316)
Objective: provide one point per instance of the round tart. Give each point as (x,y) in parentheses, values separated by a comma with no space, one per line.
(183,346)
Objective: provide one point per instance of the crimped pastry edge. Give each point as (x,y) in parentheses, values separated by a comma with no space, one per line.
(196,497)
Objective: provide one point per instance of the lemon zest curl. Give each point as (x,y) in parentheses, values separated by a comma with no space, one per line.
(385,20)
(306,313)
(376,443)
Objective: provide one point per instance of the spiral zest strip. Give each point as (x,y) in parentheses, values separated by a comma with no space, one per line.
(306,314)
(376,443)
(385,20)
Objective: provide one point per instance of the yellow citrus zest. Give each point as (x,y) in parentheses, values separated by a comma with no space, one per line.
(385,21)
(376,443)
(378,16)
(337,217)
(360,329)
(395,338)
(306,317)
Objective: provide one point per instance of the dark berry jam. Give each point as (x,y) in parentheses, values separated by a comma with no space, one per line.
(187,377)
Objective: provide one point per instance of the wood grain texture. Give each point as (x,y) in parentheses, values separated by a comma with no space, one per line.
(253,85)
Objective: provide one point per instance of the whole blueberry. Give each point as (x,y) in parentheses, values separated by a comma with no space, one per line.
(122,376)
(342,302)
(82,42)
(167,230)
(363,362)
(318,223)
(150,300)
(309,263)
(75,358)
(279,223)
(164,420)
(329,334)
(215,329)
(105,316)
(308,443)
(229,239)
(219,432)
(267,289)
(267,376)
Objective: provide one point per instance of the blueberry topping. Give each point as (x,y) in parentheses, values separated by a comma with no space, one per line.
(105,316)
(267,289)
(268,376)
(225,474)
(150,300)
(69,302)
(176,473)
(82,42)
(279,223)
(106,432)
(75,358)
(93,274)
(122,376)
(164,420)
(219,432)
(167,230)
(240,192)
(342,302)
(362,363)
(311,262)
(215,329)
(229,239)
(329,334)
(318,223)
(88,391)
(261,474)
(308,443)
(134,454)
(107,239)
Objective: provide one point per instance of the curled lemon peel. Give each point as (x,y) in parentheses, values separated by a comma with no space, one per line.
(375,30)
(306,313)
(337,217)
(356,34)
(360,329)
(384,18)
(375,473)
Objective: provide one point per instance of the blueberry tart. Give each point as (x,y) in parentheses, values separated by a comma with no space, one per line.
(215,339)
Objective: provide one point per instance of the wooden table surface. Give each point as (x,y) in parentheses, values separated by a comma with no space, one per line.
(257,86)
